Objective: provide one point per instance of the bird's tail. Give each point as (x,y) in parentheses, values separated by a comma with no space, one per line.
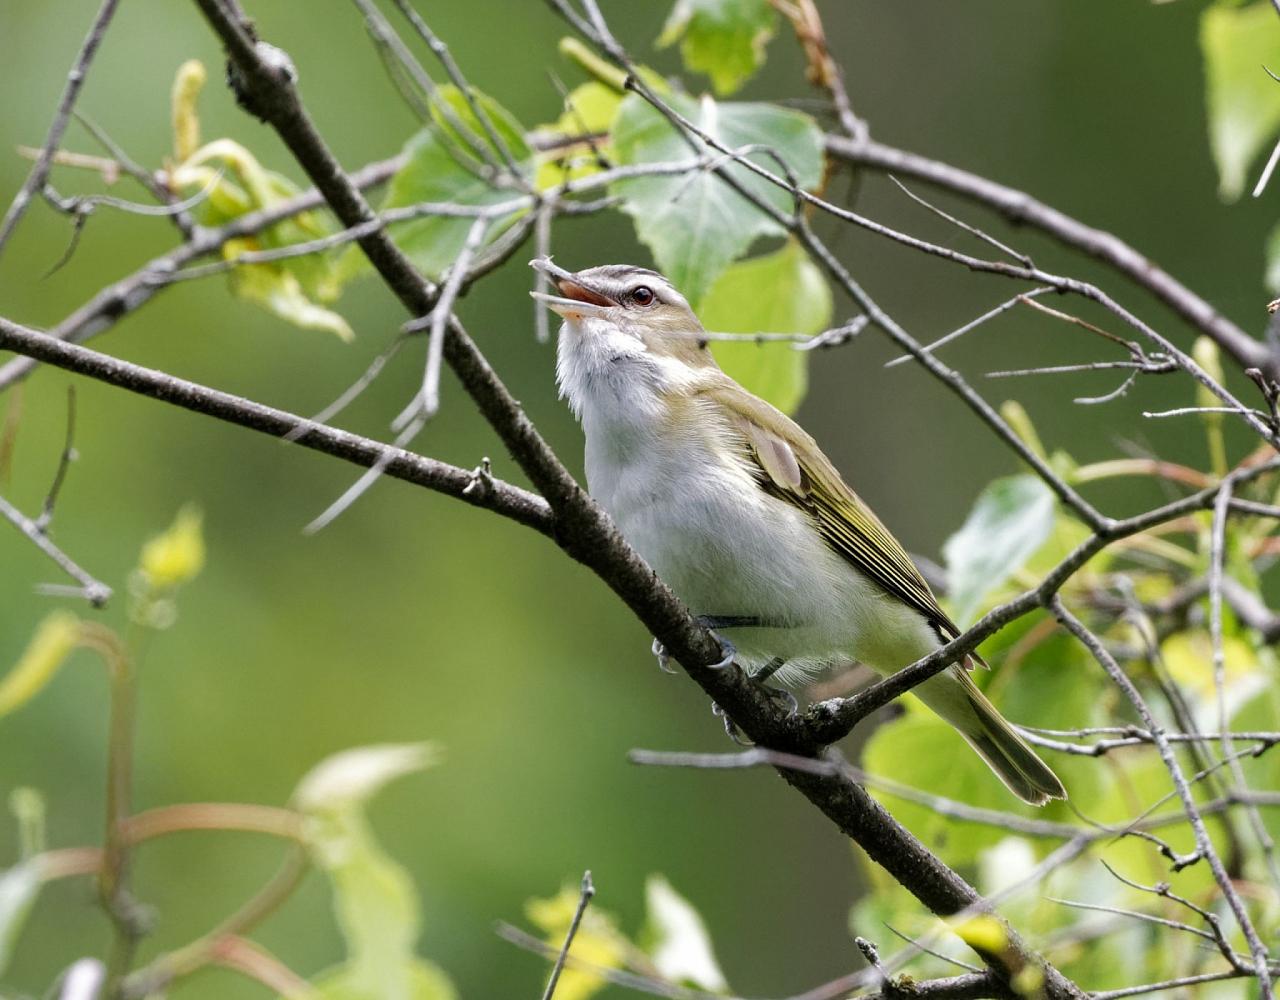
(958,700)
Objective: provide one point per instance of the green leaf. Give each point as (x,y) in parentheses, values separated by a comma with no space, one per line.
(723,38)
(781,292)
(679,944)
(694,223)
(374,897)
(1010,520)
(1243,102)
(441,166)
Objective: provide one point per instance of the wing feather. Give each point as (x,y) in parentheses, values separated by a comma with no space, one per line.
(793,468)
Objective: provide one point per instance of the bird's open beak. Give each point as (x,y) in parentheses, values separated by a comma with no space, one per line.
(577,298)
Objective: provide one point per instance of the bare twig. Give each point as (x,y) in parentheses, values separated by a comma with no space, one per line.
(93,590)
(75,80)
(1020,207)
(518,504)
(1204,843)
(584,898)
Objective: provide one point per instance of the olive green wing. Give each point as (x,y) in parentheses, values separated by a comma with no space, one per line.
(793,468)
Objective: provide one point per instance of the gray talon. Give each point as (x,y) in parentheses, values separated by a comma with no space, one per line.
(664,658)
(730,727)
(729,650)
(778,695)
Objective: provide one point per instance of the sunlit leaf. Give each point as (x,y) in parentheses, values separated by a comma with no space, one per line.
(694,223)
(1243,102)
(235,183)
(374,898)
(1010,520)
(597,943)
(442,166)
(1188,656)
(781,292)
(723,38)
(582,135)
(48,649)
(679,944)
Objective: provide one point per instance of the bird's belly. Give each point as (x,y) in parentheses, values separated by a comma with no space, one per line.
(728,549)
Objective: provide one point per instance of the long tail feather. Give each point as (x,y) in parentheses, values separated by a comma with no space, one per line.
(957,699)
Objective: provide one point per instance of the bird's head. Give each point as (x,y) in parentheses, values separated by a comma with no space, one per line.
(626,309)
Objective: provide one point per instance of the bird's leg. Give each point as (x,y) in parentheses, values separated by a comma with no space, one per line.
(780,696)
(712,622)
(730,727)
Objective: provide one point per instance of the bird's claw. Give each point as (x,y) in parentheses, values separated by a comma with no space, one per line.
(779,696)
(728,649)
(664,658)
(730,727)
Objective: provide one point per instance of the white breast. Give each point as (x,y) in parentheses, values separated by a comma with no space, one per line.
(698,516)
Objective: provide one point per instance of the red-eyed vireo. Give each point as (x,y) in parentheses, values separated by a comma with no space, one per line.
(738,510)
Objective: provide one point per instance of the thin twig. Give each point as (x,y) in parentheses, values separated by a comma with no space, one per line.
(584,898)
(92,589)
(1204,843)
(75,80)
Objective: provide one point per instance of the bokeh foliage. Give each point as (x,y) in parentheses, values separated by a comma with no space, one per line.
(302,649)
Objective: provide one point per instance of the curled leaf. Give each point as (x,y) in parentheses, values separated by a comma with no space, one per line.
(48,649)
(186,120)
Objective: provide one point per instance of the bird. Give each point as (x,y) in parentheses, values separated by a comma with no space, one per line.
(739,512)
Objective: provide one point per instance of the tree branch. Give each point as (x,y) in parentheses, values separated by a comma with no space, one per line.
(1020,207)
(498,496)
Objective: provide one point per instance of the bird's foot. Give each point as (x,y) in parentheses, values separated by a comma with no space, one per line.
(730,727)
(780,696)
(712,622)
(663,657)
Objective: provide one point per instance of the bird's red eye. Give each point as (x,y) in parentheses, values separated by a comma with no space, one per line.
(642,296)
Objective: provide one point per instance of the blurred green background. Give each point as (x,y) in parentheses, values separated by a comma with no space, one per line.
(415,617)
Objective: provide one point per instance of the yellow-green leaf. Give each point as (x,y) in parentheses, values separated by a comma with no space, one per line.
(780,292)
(175,556)
(597,943)
(53,642)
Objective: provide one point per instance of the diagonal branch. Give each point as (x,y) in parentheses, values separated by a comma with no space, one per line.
(1021,208)
(500,497)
